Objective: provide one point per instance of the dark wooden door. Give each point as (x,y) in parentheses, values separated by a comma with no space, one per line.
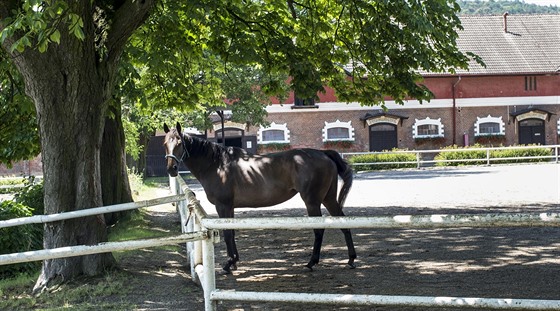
(531,131)
(382,136)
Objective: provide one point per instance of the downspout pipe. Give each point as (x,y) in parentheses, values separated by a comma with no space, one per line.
(454,113)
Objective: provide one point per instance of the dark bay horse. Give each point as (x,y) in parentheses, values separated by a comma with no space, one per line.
(233,178)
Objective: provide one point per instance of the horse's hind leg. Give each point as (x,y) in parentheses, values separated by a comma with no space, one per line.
(335,210)
(350,244)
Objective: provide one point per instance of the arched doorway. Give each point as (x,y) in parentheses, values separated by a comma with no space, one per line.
(531,131)
(382,136)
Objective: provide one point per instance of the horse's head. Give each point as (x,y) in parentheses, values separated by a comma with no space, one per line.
(174,148)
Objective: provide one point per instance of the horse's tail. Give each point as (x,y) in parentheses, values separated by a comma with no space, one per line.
(344,171)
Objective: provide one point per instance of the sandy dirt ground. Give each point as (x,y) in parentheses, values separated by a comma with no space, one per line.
(462,262)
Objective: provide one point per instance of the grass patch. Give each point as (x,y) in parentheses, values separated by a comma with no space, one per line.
(108,291)
(86,293)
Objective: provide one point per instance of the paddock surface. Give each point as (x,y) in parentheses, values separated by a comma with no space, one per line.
(463,262)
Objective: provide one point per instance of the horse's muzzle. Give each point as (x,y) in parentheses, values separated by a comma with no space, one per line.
(173,171)
(172,165)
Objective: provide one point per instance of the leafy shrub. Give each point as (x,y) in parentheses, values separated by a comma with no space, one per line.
(382,157)
(10,185)
(466,154)
(18,239)
(338,144)
(514,153)
(273,147)
(490,140)
(463,154)
(31,195)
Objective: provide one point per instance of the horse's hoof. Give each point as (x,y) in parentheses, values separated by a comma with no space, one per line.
(223,271)
(351,265)
(309,266)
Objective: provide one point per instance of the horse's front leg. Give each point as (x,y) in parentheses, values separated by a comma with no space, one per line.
(233,255)
(226,211)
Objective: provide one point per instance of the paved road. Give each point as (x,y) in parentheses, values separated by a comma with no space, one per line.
(482,187)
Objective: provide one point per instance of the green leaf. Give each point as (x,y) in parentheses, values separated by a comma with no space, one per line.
(55,36)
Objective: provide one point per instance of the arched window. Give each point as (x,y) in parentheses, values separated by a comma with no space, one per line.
(275,133)
(489,126)
(427,128)
(335,131)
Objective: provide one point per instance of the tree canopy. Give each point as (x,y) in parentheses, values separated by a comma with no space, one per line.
(19,138)
(69,55)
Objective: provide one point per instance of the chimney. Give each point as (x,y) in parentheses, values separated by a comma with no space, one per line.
(505,21)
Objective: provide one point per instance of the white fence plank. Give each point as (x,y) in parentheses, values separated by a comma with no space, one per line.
(399,221)
(79,250)
(394,301)
(39,219)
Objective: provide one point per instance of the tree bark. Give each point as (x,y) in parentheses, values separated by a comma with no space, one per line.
(70,85)
(114,176)
(71,110)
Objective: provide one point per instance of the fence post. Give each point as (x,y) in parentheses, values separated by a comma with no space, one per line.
(487,156)
(208,265)
(417,159)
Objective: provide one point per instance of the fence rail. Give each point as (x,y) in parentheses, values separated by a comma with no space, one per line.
(80,250)
(427,157)
(200,233)
(202,260)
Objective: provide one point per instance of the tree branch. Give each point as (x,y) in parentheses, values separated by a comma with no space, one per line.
(127,18)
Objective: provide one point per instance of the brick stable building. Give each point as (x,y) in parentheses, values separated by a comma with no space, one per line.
(515,99)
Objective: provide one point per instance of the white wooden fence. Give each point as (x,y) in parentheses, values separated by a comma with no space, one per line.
(79,250)
(203,262)
(200,232)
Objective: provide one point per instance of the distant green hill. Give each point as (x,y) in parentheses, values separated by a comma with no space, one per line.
(495,7)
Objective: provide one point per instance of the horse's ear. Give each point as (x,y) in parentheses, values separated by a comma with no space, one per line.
(165,128)
(178,127)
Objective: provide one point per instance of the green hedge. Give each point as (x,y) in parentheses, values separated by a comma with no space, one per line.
(31,195)
(18,239)
(369,158)
(27,201)
(465,153)
(10,185)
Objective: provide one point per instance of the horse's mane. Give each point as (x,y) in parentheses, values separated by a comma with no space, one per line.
(202,147)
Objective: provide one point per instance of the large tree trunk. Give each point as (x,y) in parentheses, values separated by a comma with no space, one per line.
(114,175)
(70,85)
(68,89)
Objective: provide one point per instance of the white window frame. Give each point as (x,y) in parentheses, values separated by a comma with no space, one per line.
(558,126)
(331,125)
(277,127)
(489,119)
(427,121)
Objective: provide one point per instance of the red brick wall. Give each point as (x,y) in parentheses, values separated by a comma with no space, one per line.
(32,167)
(306,126)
